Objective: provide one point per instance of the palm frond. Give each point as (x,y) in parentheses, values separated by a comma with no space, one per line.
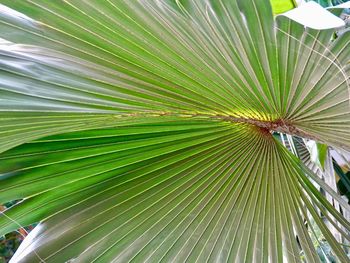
(140,130)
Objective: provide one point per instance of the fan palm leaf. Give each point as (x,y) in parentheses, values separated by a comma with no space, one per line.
(141,130)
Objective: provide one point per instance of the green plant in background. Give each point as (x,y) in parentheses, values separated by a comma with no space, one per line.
(8,245)
(281,6)
(11,241)
(142,130)
(327,3)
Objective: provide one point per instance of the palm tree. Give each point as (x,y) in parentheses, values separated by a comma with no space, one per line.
(146,130)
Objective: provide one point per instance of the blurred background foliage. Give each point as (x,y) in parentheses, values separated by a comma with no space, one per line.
(326,3)
(10,242)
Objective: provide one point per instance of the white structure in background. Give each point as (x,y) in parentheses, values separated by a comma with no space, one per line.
(308,14)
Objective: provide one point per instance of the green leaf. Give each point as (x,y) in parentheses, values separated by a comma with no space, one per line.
(344,181)
(141,130)
(322,150)
(151,196)
(318,153)
(327,3)
(281,6)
